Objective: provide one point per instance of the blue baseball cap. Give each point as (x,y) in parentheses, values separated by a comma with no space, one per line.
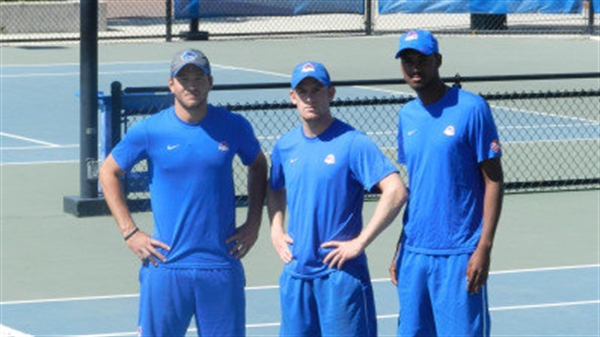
(420,40)
(310,69)
(189,56)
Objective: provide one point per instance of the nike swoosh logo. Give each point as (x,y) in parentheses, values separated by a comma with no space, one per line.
(172,147)
(411,132)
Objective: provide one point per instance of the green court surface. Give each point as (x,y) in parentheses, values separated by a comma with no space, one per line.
(47,254)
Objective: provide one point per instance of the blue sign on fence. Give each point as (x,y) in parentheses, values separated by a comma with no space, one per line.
(195,9)
(484,6)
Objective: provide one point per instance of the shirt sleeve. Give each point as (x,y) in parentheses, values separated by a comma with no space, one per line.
(401,157)
(368,164)
(484,133)
(276,177)
(249,145)
(132,148)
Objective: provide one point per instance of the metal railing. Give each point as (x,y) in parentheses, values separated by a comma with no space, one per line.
(550,138)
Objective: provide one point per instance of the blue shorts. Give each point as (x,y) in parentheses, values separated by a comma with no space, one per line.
(169,297)
(434,301)
(337,304)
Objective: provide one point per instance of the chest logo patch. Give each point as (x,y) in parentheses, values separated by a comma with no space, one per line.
(450,131)
(329,160)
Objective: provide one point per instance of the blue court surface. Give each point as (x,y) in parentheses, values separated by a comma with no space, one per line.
(562,301)
(40,109)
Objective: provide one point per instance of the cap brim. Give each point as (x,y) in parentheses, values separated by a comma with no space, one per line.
(189,64)
(399,53)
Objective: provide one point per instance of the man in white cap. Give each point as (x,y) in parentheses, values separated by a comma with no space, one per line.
(191,263)
(448,141)
(320,171)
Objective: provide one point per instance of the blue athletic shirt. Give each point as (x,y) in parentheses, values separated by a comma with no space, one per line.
(441,145)
(191,184)
(325,178)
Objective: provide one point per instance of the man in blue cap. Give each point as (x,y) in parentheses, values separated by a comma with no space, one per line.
(320,171)
(448,141)
(191,263)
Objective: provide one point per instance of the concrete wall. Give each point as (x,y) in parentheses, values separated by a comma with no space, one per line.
(136,8)
(45,17)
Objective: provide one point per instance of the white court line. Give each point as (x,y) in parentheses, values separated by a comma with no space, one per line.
(8,332)
(40,163)
(545,114)
(9,135)
(549,141)
(530,270)
(546,126)
(76,66)
(43,147)
(71,299)
(544,305)
(102,64)
(265,72)
(54,65)
(116,334)
(141,71)
(77,73)
(381,317)
(533,270)
(515,271)
(522,307)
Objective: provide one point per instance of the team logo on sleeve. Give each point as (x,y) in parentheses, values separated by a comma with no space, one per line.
(329,160)
(223,146)
(495,145)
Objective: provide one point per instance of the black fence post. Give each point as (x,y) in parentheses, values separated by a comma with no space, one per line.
(369,17)
(88,154)
(195,34)
(115,113)
(169,20)
(590,16)
(87,202)
(457,79)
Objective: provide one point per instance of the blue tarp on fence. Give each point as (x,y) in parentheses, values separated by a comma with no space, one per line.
(194,9)
(484,6)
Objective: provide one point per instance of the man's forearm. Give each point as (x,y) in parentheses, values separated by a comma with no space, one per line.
(257,185)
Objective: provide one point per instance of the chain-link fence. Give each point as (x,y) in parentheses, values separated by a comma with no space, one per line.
(551,139)
(59,20)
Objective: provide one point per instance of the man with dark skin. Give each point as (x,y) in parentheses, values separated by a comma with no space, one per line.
(449,143)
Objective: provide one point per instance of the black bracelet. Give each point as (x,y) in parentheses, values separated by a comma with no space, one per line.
(131,234)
